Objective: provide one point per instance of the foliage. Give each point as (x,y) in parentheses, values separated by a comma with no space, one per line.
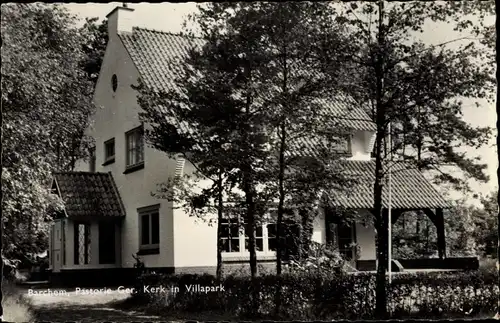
(418,89)
(425,85)
(249,96)
(485,221)
(95,47)
(470,231)
(46,101)
(320,260)
(308,296)
(290,37)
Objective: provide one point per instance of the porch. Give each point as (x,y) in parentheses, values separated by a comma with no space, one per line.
(87,234)
(356,239)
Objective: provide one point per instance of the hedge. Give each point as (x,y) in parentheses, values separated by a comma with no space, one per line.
(342,296)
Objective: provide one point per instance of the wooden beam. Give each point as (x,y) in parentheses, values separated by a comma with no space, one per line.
(431,215)
(438,220)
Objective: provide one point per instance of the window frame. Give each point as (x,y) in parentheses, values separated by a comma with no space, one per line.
(109,159)
(137,131)
(243,251)
(229,237)
(149,211)
(87,246)
(348,150)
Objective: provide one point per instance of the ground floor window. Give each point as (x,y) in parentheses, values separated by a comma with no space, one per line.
(149,231)
(235,238)
(231,235)
(82,249)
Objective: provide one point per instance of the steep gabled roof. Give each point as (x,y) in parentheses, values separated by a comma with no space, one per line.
(410,189)
(89,194)
(156,55)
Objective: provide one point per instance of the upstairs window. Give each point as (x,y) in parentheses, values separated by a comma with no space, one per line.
(135,147)
(338,145)
(342,145)
(109,151)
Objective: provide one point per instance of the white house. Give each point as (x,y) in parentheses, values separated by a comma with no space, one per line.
(110,213)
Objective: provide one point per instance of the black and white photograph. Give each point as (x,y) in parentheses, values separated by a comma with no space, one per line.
(249,161)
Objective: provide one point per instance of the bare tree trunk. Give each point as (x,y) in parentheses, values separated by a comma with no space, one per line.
(419,139)
(381,220)
(250,229)
(281,180)
(279,224)
(249,190)
(497,11)
(220,215)
(281,188)
(2,223)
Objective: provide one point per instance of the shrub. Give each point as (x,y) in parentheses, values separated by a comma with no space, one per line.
(437,294)
(320,260)
(308,295)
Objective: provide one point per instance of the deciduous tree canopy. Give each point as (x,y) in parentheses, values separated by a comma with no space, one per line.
(46,102)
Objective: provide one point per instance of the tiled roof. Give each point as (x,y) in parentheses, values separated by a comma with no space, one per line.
(410,189)
(89,194)
(156,55)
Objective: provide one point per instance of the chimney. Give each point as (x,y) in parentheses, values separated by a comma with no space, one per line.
(120,20)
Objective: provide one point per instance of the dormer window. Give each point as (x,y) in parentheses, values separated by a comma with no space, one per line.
(340,146)
(343,146)
(134,149)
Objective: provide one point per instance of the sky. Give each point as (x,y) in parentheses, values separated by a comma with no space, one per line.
(170,16)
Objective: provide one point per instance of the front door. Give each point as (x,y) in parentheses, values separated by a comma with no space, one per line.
(56,235)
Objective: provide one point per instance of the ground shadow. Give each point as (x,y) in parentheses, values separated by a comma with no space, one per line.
(88,314)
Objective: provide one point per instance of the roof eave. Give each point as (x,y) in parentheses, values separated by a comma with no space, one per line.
(54,180)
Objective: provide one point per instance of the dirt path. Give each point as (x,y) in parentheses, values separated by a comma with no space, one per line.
(72,306)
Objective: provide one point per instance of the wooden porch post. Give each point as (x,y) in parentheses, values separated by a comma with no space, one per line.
(441,241)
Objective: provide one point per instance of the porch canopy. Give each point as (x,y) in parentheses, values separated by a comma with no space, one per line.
(411,191)
(88,194)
